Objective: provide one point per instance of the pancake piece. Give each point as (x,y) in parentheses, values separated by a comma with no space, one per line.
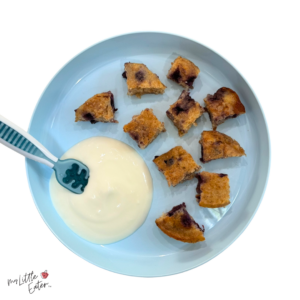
(224,104)
(144,128)
(216,145)
(184,113)
(141,81)
(99,108)
(177,165)
(213,190)
(180,225)
(183,72)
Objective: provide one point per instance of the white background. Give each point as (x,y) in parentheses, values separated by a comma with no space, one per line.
(260,38)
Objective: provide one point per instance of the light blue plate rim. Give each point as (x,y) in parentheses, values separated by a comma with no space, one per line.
(128,273)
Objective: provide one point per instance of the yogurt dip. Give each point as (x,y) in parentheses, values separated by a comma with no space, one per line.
(118,196)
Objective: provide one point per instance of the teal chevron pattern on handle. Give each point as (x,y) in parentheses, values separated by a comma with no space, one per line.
(17,140)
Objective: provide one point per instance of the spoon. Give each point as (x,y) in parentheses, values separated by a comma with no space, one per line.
(70,173)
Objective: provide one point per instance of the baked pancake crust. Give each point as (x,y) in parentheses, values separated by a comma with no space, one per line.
(183,72)
(184,113)
(99,108)
(213,190)
(144,128)
(224,104)
(180,225)
(216,145)
(141,81)
(177,165)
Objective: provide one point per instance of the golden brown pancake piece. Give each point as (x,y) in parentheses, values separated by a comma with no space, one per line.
(141,81)
(216,145)
(180,225)
(144,128)
(213,190)
(184,113)
(224,104)
(177,165)
(183,72)
(99,108)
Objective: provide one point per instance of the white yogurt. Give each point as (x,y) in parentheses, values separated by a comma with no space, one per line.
(118,196)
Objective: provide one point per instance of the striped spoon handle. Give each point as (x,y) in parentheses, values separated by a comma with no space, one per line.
(22,142)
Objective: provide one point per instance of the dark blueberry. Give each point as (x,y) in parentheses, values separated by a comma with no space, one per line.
(88,117)
(219,94)
(124,75)
(140,76)
(228,117)
(186,219)
(134,135)
(168,113)
(156,156)
(112,102)
(200,181)
(76,109)
(176,75)
(185,103)
(222,175)
(176,208)
(169,162)
(202,153)
(178,109)
(94,121)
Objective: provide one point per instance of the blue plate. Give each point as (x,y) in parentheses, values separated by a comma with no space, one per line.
(148,252)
